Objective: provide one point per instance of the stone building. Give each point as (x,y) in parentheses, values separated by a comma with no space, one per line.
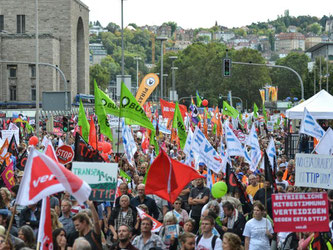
(289,42)
(63,41)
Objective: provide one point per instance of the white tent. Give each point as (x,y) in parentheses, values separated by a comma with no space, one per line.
(320,106)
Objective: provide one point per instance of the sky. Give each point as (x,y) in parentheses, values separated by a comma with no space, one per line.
(202,13)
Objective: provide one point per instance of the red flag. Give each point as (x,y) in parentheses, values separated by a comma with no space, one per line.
(92,134)
(45,226)
(156,224)
(167,177)
(44,176)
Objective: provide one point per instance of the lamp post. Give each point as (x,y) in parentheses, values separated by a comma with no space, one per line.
(37,70)
(137,71)
(162,39)
(122,42)
(166,88)
(173,68)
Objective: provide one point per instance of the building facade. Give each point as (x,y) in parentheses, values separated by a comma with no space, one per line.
(63,41)
(289,42)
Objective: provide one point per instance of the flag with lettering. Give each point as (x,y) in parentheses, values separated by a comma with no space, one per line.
(310,126)
(156,224)
(85,152)
(12,147)
(109,105)
(131,109)
(234,146)
(22,159)
(44,176)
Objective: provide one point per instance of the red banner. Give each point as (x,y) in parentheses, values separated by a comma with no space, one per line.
(168,108)
(300,212)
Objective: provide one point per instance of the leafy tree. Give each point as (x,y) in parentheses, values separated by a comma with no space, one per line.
(287,81)
(314,28)
(112,27)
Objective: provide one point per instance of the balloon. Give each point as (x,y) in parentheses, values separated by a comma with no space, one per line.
(33,140)
(204,103)
(100,146)
(106,147)
(219,189)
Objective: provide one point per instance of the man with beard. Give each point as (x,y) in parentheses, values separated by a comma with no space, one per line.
(187,241)
(124,239)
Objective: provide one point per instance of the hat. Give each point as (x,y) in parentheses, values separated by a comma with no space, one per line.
(201,164)
(20,174)
(5,212)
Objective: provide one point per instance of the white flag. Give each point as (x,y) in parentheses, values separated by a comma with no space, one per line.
(325,145)
(188,148)
(234,146)
(129,143)
(271,152)
(253,142)
(12,126)
(310,126)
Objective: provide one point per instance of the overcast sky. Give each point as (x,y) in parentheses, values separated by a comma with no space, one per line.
(202,13)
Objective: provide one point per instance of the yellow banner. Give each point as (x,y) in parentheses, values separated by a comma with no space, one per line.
(147,86)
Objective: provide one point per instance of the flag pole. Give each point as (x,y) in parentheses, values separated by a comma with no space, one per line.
(266,204)
(38,245)
(11,222)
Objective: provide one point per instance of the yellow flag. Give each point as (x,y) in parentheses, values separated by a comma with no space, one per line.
(147,86)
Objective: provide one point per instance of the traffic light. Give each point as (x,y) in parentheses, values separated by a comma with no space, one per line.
(65,124)
(226,67)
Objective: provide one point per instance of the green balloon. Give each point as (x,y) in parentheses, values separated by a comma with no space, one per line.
(219,189)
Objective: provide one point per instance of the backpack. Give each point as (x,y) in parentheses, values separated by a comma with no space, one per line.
(213,240)
(291,242)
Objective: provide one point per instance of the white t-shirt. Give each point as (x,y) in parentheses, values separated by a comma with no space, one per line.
(206,244)
(282,183)
(256,231)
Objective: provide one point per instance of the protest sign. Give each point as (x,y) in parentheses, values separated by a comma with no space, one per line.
(168,109)
(101,177)
(7,134)
(314,171)
(65,154)
(300,212)
(206,152)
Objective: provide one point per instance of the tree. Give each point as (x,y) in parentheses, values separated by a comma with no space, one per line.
(173,26)
(287,81)
(314,28)
(112,27)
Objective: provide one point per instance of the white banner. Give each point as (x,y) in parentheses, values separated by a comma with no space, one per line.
(101,176)
(206,152)
(314,171)
(9,133)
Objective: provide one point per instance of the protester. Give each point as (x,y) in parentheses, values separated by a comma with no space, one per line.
(66,217)
(26,234)
(124,239)
(207,240)
(234,221)
(143,199)
(170,231)
(258,231)
(59,239)
(147,239)
(187,241)
(231,241)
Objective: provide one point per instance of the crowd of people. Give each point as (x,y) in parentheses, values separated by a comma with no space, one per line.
(196,220)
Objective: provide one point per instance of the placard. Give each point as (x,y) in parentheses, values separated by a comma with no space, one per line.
(101,177)
(300,212)
(314,171)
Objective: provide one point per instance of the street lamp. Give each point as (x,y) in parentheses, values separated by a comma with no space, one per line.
(122,42)
(137,71)
(37,70)
(173,68)
(166,87)
(162,39)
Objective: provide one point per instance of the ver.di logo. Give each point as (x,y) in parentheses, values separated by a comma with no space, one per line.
(150,81)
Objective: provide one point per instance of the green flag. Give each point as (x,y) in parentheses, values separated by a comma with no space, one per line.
(255,110)
(179,124)
(154,142)
(83,122)
(109,106)
(103,122)
(264,111)
(199,101)
(207,113)
(123,174)
(130,108)
(229,110)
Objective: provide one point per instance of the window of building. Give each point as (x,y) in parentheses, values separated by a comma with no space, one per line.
(33,93)
(2,24)
(12,92)
(32,70)
(20,23)
(12,71)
